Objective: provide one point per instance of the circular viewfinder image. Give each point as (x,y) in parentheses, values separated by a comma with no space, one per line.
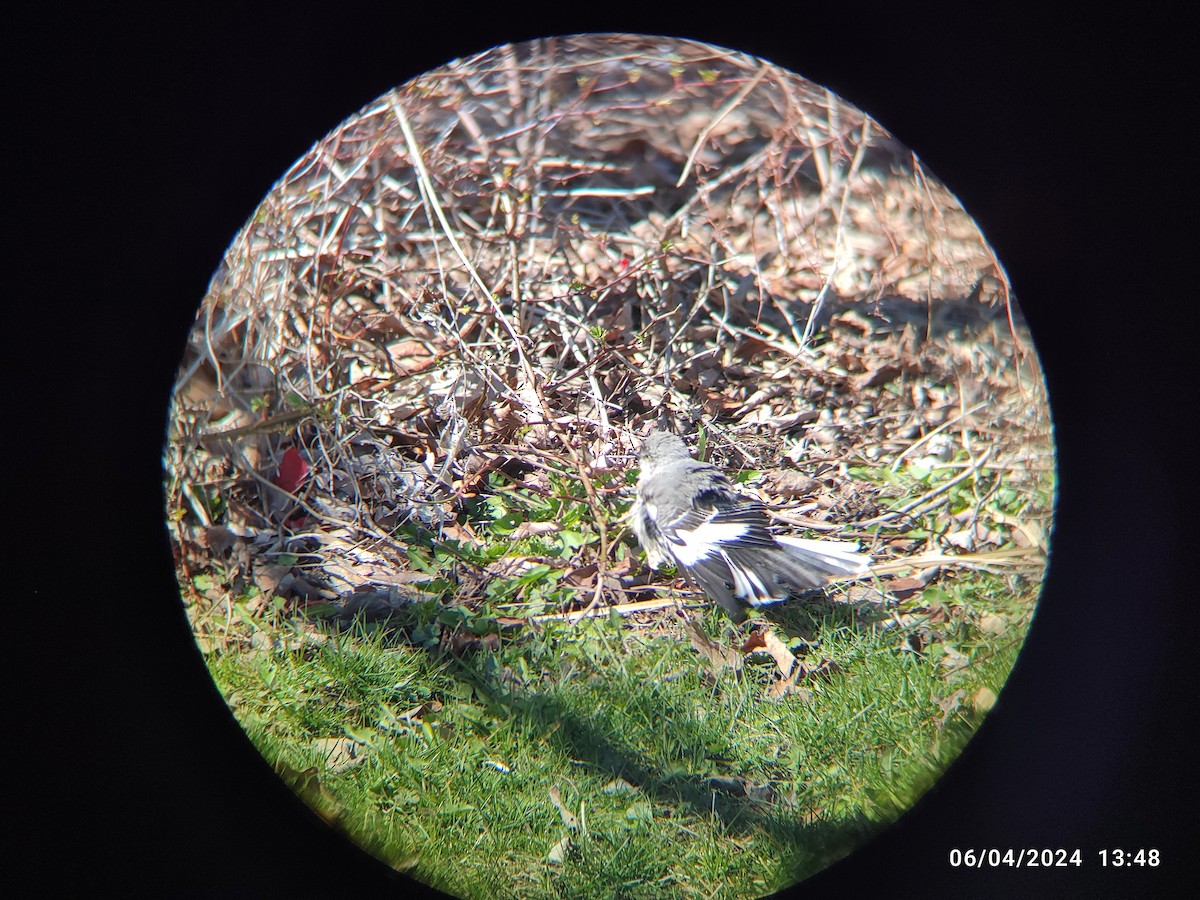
(609,465)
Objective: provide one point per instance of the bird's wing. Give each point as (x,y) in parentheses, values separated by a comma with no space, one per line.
(717,517)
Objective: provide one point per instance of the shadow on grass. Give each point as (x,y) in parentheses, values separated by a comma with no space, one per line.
(807,616)
(584,721)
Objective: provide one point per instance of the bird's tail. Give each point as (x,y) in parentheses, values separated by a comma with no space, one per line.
(757,576)
(833,559)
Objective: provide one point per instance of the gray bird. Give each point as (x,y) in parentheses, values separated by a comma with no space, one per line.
(688,512)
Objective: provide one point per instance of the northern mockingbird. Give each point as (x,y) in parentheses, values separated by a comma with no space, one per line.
(688,512)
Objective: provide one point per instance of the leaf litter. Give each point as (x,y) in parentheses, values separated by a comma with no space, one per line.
(319,436)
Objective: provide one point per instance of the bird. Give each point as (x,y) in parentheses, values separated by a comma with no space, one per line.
(689,513)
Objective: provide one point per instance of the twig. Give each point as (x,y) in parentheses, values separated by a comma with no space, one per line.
(931,495)
(838,237)
(933,432)
(725,110)
(1009,557)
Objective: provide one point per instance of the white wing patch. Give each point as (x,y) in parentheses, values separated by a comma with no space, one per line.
(694,544)
(749,587)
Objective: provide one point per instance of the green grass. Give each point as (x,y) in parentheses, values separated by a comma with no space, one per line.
(611,758)
(631,727)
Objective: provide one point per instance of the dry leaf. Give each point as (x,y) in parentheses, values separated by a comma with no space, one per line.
(785,686)
(530,529)
(568,817)
(558,852)
(619,786)
(340,753)
(791,421)
(789,483)
(964,539)
(268,577)
(857,320)
(952,660)
(622,567)
(583,576)
(461,533)
(948,705)
(369,605)
(219,539)
(414,714)
(512,566)
(411,357)
(750,347)
(993,623)
(460,642)
(765,640)
(292,471)
(824,669)
(935,614)
(881,375)
(983,700)
(869,598)
(903,588)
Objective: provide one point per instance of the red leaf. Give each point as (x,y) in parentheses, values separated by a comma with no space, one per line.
(292,471)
